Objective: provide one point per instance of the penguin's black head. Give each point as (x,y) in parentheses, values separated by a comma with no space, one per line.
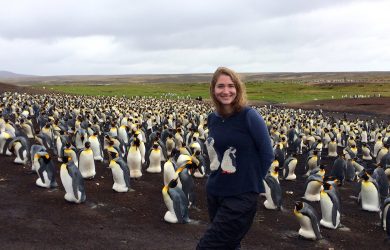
(65,159)
(155,145)
(111,143)
(67,145)
(46,158)
(172,183)
(113,154)
(298,205)
(87,144)
(327,186)
(322,167)
(47,125)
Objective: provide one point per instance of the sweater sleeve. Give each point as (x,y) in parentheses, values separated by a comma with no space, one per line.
(260,136)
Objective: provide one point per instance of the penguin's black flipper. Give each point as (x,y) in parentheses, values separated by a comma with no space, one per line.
(126,171)
(276,193)
(42,168)
(314,222)
(179,204)
(336,206)
(75,174)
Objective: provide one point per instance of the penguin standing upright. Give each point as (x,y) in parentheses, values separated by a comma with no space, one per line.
(120,173)
(289,167)
(332,148)
(134,159)
(176,202)
(369,197)
(313,187)
(46,171)
(339,168)
(96,147)
(308,221)
(385,216)
(273,193)
(87,162)
(34,161)
(330,207)
(154,159)
(311,162)
(72,181)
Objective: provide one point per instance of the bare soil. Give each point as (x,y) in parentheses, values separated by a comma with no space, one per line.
(33,217)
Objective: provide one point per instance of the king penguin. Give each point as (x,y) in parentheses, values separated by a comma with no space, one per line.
(289,167)
(19,146)
(134,159)
(96,147)
(385,216)
(313,187)
(369,197)
(120,173)
(330,207)
(308,221)
(72,181)
(273,193)
(154,159)
(176,202)
(46,171)
(87,162)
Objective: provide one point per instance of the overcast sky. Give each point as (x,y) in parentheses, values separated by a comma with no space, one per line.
(58,37)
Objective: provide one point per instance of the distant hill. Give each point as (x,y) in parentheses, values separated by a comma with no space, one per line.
(9,74)
(380,77)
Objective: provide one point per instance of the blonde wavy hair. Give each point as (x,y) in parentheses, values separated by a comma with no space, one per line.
(240,101)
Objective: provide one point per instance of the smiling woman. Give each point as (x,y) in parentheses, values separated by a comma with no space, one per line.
(240,151)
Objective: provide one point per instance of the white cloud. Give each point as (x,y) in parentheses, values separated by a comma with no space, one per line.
(128,37)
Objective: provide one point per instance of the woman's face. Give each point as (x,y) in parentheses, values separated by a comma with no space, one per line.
(225,91)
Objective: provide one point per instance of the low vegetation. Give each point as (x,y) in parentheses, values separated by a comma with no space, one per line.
(275,92)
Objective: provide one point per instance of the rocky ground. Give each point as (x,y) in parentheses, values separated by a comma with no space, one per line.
(33,217)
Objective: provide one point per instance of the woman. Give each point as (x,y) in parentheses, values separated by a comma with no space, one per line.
(239,138)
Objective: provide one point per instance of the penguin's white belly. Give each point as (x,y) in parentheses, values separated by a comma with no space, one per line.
(170,215)
(134,163)
(123,135)
(59,146)
(268,203)
(306,229)
(370,197)
(154,162)
(384,215)
(18,158)
(95,146)
(313,190)
(291,170)
(39,182)
(142,150)
(67,183)
(119,181)
(326,211)
(169,174)
(87,164)
(332,150)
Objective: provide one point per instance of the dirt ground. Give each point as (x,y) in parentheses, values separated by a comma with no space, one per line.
(33,217)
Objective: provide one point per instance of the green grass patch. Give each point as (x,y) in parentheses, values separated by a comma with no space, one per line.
(276,92)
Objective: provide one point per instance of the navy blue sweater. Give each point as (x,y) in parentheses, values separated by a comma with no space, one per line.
(246,133)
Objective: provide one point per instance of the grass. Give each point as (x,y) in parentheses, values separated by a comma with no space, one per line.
(276,92)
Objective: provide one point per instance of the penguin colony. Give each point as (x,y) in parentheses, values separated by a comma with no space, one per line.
(63,136)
